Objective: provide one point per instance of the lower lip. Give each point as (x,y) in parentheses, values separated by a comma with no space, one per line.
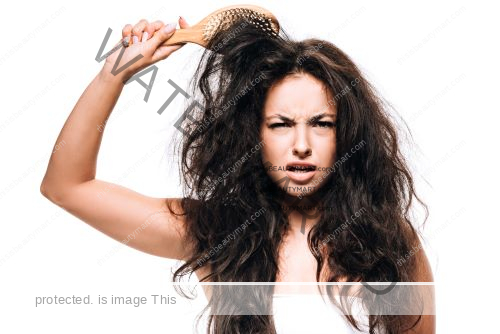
(300,176)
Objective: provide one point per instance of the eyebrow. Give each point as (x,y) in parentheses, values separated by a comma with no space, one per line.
(311,119)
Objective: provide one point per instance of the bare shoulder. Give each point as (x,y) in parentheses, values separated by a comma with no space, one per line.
(423,270)
(423,273)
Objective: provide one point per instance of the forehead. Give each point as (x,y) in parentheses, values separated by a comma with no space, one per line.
(298,94)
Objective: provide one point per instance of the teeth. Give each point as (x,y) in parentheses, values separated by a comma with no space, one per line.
(301,168)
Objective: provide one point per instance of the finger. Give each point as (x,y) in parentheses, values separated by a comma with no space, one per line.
(125,42)
(156,25)
(147,33)
(163,34)
(183,23)
(127,31)
(138,29)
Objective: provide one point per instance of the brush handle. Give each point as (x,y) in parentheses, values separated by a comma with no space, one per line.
(181,36)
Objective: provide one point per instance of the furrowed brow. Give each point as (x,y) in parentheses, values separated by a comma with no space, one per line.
(318,117)
(281,117)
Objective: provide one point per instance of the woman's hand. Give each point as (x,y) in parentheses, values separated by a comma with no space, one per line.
(144,39)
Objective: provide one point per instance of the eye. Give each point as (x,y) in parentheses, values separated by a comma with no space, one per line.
(278,125)
(326,124)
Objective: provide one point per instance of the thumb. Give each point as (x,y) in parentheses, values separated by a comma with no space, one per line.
(163,34)
(183,23)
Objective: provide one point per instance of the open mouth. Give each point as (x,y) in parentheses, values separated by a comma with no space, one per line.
(300,172)
(301,168)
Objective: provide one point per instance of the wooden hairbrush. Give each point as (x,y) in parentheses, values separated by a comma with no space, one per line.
(202,32)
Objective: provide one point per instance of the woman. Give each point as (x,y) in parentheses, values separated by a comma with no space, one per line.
(292,168)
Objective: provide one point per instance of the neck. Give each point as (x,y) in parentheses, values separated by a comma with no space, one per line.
(302,213)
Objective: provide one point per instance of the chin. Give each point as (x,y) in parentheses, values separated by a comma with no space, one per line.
(299,190)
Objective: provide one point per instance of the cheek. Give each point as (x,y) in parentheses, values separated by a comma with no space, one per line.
(332,155)
(326,150)
(274,147)
(271,154)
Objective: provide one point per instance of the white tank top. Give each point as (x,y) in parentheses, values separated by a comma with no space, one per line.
(303,314)
(311,314)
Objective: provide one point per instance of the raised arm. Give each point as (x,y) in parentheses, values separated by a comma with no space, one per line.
(144,222)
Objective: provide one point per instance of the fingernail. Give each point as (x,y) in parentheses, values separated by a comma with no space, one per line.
(144,36)
(126,40)
(169,27)
(135,39)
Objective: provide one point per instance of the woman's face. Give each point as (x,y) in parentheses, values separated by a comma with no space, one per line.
(299,134)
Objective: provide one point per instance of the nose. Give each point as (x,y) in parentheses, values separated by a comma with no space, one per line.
(301,146)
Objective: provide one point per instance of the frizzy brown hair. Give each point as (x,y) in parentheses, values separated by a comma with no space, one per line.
(376,179)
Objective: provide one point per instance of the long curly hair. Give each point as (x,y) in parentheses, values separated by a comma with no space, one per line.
(225,182)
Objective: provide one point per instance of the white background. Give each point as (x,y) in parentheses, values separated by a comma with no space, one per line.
(437,63)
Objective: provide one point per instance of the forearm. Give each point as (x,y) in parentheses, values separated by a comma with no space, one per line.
(75,162)
(81,134)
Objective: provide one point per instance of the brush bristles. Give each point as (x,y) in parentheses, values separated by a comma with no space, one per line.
(223,20)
